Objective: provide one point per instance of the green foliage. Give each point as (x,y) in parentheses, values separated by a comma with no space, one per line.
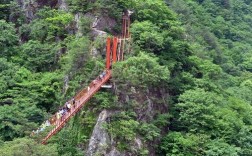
(218,147)
(154,11)
(104,100)
(18,120)
(123,128)
(79,5)
(7,71)
(8,39)
(24,147)
(4,9)
(176,143)
(58,21)
(149,131)
(78,64)
(37,31)
(78,54)
(36,56)
(87,119)
(186,89)
(67,143)
(50,23)
(22,99)
(208,113)
(85,26)
(140,70)
(197,108)
(162,120)
(179,144)
(148,36)
(207,68)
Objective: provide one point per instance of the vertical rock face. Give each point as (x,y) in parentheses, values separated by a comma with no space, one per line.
(66,85)
(77,18)
(100,24)
(29,7)
(99,141)
(105,22)
(62,5)
(114,152)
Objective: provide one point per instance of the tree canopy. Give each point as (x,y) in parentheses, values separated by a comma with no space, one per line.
(184,87)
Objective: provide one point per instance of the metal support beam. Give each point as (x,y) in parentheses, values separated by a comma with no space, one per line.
(115,42)
(108,63)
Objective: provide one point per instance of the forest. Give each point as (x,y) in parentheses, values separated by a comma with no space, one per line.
(184,88)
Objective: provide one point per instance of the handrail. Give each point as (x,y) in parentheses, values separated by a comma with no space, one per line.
(81,100)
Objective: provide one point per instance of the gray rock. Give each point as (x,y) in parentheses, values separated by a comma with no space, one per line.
(62,5)
(114,152)
(100,24)
(99,141)
(29,7)
(77,18)
(94,52)
(138,143)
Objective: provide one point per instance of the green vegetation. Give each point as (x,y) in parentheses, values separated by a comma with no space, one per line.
(24,147)
(184,88)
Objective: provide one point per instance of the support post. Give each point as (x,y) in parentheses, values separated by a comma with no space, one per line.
(115,42)
(128,27)
(108,63)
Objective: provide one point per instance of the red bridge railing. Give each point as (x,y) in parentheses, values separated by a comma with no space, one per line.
(80,100)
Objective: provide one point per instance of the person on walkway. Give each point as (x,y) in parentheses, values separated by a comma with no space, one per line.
(101,76)
(64,110)
(42,127)
(73,102)
(52,119)
(94,82)
(68,107)
(61,112)
(58,115)
(37,131)
(32,133)
(103,73)
(47,123)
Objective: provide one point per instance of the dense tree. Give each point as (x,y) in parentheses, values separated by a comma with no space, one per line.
(185,86)
(24,147)
(141,71)
(37,57)
(5,9)
(8,39)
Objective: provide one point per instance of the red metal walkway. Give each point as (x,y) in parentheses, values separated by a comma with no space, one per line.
(114,52)
(80,100)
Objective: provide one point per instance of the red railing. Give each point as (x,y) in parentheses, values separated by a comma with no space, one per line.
(114,53)
(80,100)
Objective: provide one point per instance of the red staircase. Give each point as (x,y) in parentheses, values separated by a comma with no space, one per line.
(114,52)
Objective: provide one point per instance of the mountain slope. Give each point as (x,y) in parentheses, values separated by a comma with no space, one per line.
(184,88)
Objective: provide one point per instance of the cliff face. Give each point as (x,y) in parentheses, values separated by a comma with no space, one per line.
(62,5)
(100,141)
(30,7)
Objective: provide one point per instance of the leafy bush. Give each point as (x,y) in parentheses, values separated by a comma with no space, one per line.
(140,71)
